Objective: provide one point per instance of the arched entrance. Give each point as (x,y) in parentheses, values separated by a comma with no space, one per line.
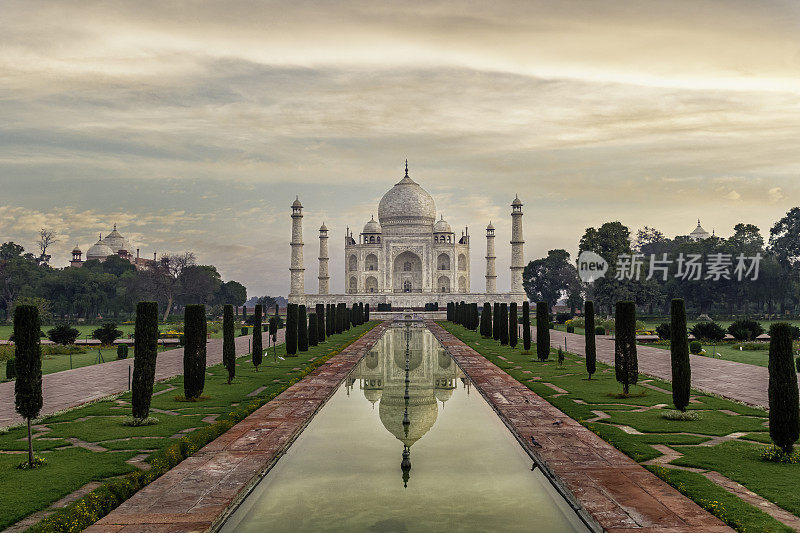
(407,273)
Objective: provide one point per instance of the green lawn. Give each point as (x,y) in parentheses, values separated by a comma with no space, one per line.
(730,352)
(215,328)
(738,460)
(69,468)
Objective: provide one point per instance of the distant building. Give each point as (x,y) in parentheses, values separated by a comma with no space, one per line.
(113,244)
(698,233)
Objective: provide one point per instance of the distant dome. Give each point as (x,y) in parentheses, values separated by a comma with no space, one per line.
(115,241)
(372,226)
(406,204)
(99,250)
(699,233)
(442,226)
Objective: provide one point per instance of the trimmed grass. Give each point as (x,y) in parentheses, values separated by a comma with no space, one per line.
(738,460)
(68,468)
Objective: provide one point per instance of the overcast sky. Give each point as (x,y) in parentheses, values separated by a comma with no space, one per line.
(193,125)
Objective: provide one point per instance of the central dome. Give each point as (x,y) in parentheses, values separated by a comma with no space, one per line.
(406,204)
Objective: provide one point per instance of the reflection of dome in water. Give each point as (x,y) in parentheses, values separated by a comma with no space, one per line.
(422,412)
(444,360)
(414,360)
(443,394)
(372,360)
(373,395)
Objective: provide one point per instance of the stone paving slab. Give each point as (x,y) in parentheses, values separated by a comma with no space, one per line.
(619,494)
(196,493)
(70,388)
(730,379)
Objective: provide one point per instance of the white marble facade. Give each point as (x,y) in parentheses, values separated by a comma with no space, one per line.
(407,257)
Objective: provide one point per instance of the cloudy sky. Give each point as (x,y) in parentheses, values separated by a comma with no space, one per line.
(192,125)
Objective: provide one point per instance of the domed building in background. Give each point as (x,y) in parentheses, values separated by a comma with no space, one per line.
(113,244)
(406,257)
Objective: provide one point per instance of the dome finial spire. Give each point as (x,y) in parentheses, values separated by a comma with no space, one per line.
(406,167)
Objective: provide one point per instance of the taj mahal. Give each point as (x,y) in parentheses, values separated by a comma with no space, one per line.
(407,257)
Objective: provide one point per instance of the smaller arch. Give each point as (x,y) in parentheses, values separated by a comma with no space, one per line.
(353,284)
(379,239)
(371,262)
(353,263)
(443,284)
(462,262)
(462,284)
(371,284)
(443,262)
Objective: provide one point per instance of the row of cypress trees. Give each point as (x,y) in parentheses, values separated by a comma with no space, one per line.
(305,329)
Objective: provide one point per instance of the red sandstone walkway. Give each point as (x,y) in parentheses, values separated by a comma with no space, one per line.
(737,381)
(618,493)
(63,390)
(195,494)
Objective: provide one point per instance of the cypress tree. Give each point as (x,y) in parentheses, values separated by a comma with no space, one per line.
(503,324)
(340,318)
(626,365)
(588,336)
(449,312)
(330,328)
(486,320)
(512,325)
(291,329)
(244,313)
(258,347)
(542,331)
(228,345)
(679,352)
(320,308)
(354,315)
(496,322)
(526,325)
(194,353)
(475,317)
(366,312)
(313,330)
(145,343)
(302,329)
(28,360)
(784,418)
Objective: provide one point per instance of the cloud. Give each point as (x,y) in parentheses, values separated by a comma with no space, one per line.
(733,195)
(775,194)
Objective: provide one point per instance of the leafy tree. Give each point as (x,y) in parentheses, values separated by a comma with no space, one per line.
(679,351)
(233,292)
(708,331)
(784,418)
(63,334)
(18,272)
(609,241)
(745,330)
(199,284)
(664,331)
(107,333)
(116,266)
(228,342)
(302,329)
(589,339)
(626,364)
(542,331)
(547,279)
(145,342)
(526,325)
(258,348)
(512,325)
(194,353)
(291,329)
(163,279)
(28,361)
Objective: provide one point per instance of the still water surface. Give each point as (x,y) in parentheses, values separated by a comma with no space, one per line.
(344,473)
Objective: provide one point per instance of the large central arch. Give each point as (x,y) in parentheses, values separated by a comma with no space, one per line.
(407,273)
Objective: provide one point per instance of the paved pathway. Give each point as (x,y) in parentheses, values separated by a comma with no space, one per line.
(63,390)
(737,381)
(619,494)
(194,495)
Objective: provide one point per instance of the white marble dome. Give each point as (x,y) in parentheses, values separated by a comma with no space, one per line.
(406,204)
(372,226)
(442,226)
(116,241)
(99,250)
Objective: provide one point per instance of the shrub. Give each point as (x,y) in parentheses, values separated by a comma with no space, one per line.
(245,331)
(570,329)
(679,352)
(312,330)
(63,334)
(560,356)
(588,334)
(291,330)
(542,332)
(107,333)
(145,342)
(695,347)
(194,354)
(526,325)
(122,351)
(257,352)
(784,413)
(663,331)
(754,346)
(228,342)
(599,330)
(745,330)
(512,325)
(302,329)
(681,416)
(578,322)
(775,454)
(709,331)
(626,365)
(563,317)
(11,369)
(28,365)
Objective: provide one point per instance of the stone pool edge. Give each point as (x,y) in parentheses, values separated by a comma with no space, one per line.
(613,491)
(200,492)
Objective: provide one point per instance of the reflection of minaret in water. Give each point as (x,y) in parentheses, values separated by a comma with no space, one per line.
(405,464)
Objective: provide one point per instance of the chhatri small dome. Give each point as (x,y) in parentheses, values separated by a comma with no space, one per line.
(99,250)
(516,201)
(699,233)
(76,250)
(323,227)
(115,241)
(372,226)
(490,226)
(406,204)
(296,202)
(442,226)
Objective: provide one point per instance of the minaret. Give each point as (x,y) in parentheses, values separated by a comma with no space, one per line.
(517,243)
(298,272)
(491,273)
(324,278)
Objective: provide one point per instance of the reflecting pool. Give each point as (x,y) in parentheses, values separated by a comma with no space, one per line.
(405,444)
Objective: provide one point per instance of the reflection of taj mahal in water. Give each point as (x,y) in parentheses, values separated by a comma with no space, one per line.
(407,257)
(407,413)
